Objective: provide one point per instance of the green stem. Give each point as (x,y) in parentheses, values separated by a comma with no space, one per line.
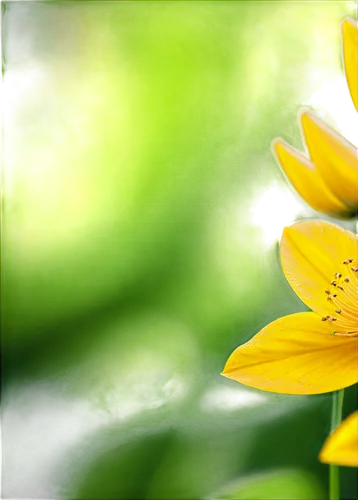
(336,418)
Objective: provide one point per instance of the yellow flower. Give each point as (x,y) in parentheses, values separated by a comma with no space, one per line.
(310,352)
(328,179)
(341,447)
(350,56)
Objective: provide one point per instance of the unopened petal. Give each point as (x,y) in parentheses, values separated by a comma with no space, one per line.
(304,177)
(335,159)
(350,56)
(295,355)
(311,253)
(341,447)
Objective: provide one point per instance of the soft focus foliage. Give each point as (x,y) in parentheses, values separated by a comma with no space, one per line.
(281,484)
(134,258)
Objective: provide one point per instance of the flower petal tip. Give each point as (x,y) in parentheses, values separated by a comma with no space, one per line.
(309,119)
(277,146)
(349,23)
(305,113)
(277,142)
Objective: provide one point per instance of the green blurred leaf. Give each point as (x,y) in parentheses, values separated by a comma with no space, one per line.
(274,485)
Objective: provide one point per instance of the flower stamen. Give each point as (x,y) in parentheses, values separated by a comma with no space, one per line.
(344,300)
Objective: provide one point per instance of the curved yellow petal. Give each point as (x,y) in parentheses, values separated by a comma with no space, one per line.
(335,159)
(350,56)
(311,253)
(295,355)
(341,447)
(304,177)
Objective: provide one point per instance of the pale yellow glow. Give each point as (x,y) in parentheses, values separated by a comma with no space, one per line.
(51,165)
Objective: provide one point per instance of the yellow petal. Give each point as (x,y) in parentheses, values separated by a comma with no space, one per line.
(341,448)
(311,253)
(304,177)
(295,355)
(350,56)
(335,159)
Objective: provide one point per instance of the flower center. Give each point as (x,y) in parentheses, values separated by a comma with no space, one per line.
(342,301)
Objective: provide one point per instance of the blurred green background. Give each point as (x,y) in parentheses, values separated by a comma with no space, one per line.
(141,214)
